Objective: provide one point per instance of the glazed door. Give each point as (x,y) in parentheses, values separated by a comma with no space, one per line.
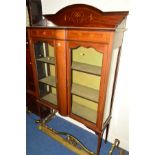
(45,70)
(85,80)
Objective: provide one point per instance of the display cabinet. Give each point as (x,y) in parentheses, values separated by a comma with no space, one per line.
(75,56)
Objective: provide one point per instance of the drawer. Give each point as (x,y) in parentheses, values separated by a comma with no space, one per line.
(52,33)
(93,36)
(42,33)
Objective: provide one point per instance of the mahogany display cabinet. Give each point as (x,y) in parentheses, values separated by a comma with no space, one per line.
(75,56)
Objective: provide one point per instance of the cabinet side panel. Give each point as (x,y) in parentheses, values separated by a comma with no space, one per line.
(61,77)
(110,83)
(118,38)
(29,73)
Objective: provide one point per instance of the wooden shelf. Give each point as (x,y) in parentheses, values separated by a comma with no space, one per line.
(92,69)
(50,80)
(51,98)
(85,92)
(50,60)
(84,112)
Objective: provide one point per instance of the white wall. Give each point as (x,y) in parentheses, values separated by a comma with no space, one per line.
(120,124)
(49,6)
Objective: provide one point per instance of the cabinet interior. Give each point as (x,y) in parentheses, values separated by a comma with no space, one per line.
(45,60)
(85,72)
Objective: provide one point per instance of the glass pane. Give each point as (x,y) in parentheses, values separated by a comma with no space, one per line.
(48,93)
(45,61)
(86,71)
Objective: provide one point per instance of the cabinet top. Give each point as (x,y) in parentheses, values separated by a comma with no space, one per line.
(85,16)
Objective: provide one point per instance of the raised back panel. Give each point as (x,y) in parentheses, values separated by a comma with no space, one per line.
(81,15)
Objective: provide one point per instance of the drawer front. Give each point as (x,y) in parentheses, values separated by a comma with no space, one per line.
(42,33)
(52,33)
(92,36)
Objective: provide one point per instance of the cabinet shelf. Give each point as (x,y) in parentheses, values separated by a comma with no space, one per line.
(50,80)
(92,69)
(84,112)
(51,98)
(50,60)
(85,92)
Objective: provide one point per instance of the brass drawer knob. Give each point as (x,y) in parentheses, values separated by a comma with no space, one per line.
(59,44)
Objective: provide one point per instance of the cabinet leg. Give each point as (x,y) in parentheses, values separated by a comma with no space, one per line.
(99,143)
(39,113)
(107,131)
(39,109)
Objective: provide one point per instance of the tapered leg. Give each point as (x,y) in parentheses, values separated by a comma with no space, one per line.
(39,110)
(39,113)
(107,131)
(99,143)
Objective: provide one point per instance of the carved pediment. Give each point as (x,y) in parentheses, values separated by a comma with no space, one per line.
(80,15)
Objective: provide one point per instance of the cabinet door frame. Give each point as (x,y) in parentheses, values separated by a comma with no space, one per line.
(102,48)
(61,68)
(34,40)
